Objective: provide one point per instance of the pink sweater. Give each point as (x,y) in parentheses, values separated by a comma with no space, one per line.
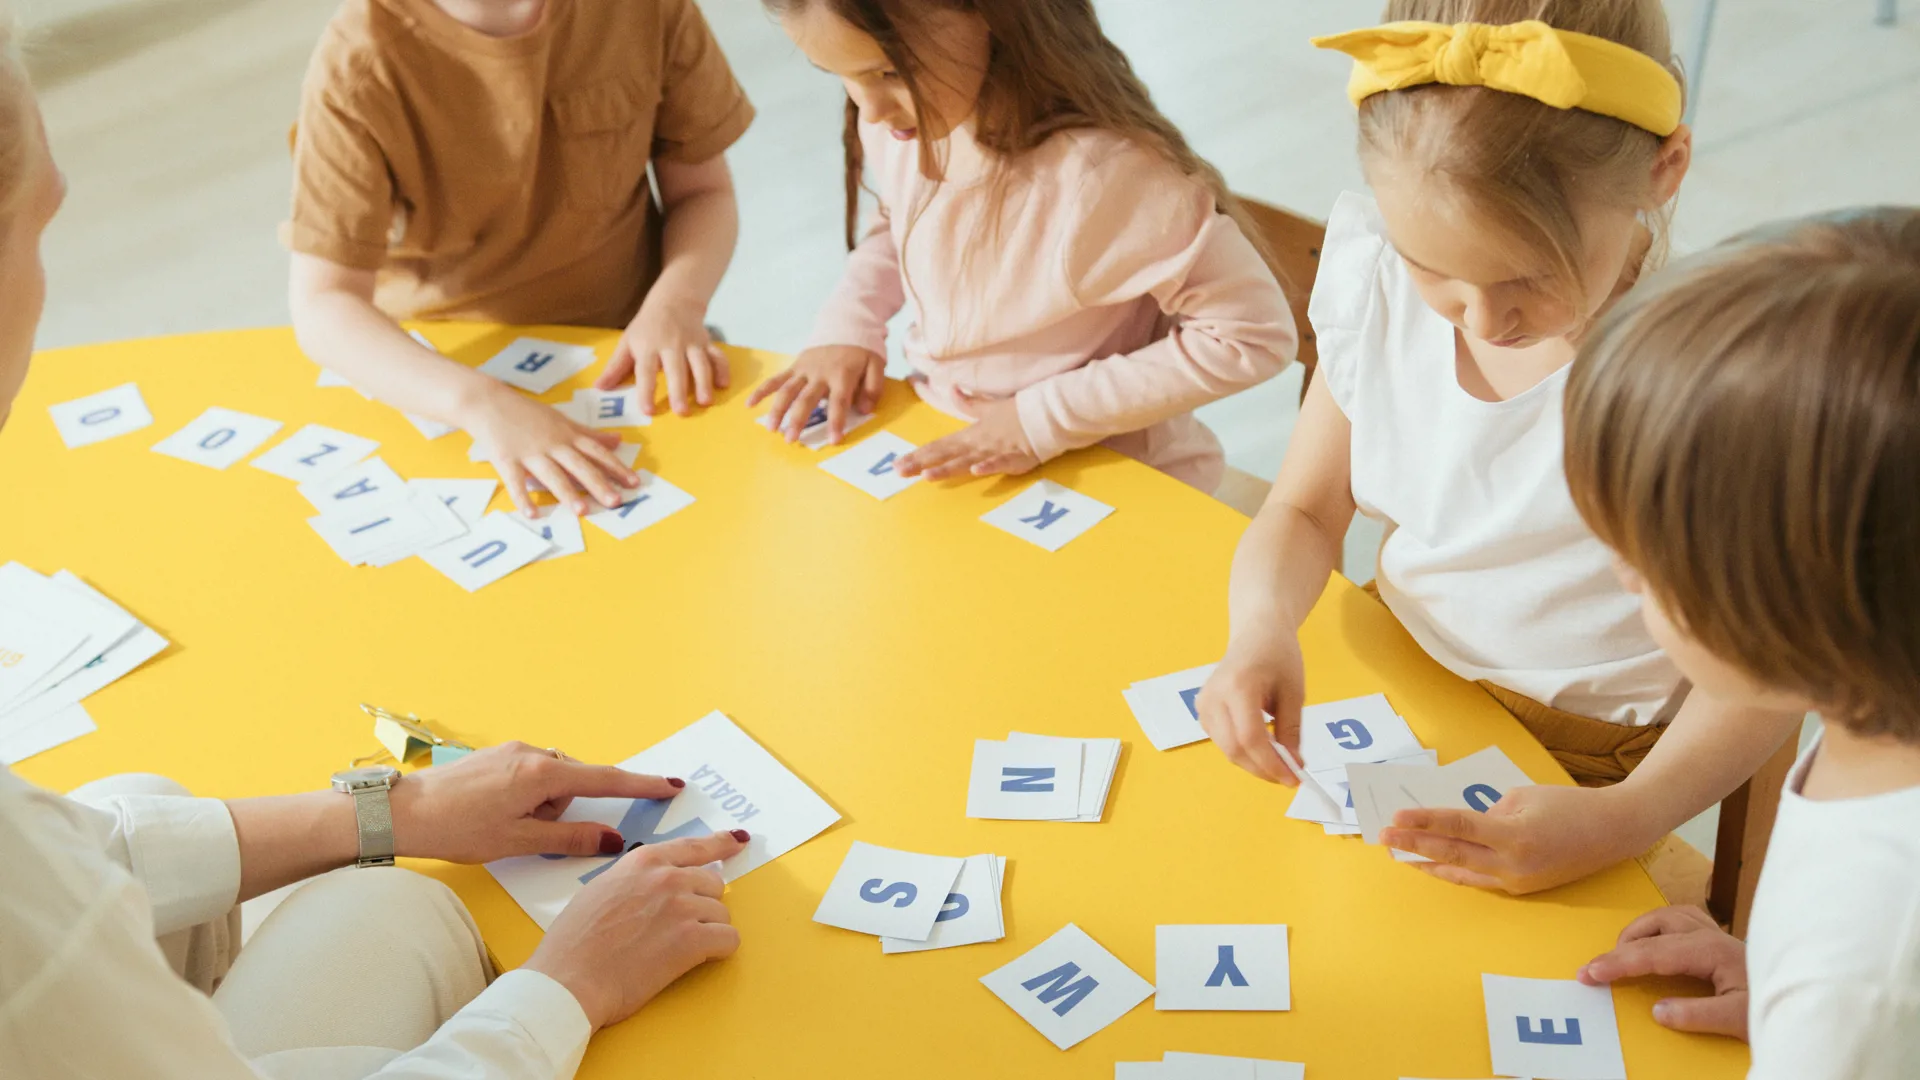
(1113,300)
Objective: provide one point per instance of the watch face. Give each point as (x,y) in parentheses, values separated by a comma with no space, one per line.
(367,776)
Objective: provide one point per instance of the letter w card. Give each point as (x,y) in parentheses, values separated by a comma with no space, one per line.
(1037,780)
(1068,987)
(1552,1029)
(888,893)
(870,465)
(1047,515)
(732,783)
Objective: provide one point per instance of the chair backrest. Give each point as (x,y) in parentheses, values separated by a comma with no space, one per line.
(1295,244)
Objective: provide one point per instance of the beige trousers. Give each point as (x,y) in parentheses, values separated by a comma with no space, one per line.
(353,969)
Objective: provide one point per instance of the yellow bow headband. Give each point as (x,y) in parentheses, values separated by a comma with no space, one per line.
(1557,67)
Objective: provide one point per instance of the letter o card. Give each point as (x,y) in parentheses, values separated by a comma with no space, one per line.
(1047,515)
(100,416)
(1068,987)
(886,892)
(496,547)
(1554,1029)
(1224,968)
(218,438)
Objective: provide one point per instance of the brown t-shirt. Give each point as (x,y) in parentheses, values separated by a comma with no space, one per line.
(504,179)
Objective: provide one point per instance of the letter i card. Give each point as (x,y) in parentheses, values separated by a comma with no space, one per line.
(889,893)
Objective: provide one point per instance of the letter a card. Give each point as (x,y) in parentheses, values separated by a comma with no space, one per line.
(888,893)
(1223,968)
(1047,515)
(1068,987)
(1552,1029)
(870,465)
(732,783)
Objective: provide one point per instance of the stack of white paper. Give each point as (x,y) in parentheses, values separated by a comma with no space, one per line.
(1175,1065)
(60,640)
(888,893)
(1336,735)
(1167,708)
(972,913)
(1474,782)
(1041,778)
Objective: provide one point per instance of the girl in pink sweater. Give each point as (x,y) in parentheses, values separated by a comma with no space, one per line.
(1079,274)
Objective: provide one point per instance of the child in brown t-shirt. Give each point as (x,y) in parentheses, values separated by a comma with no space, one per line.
(488,159)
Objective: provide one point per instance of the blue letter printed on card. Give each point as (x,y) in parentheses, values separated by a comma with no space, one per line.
(1191,699)
(1225,970)
(612,407)
(627,507)
(214,440)
(902,893)
(485,553)
(1344,730)
(1546,1035)
(955,907)
(884,465)
(534,362)
(358,487)
(1025,778)
(1059,984)
(100,416)
(1045,516)
(638,826)
(358,529)
(1481,797)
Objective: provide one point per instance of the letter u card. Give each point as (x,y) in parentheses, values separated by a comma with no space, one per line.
(732,783)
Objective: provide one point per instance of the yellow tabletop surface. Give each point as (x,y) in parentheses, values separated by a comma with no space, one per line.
(866,644)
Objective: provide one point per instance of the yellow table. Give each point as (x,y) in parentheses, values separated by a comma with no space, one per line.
(866,645)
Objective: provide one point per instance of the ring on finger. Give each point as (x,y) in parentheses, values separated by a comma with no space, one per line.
(558,755)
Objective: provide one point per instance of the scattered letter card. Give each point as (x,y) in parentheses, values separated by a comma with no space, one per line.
(1047,515)
(1359,729)
(596,408)
(1168,708)
(971,914)
(369,484)
(466,498)
(870,465)
(813,434)
(315,453)
(1552,1029)
(538,366)
(560,528)
(889,893)
(496,547)
(1034,781)
(1179,1066)
(732,783)
(218,438)
(100,416)
(1068,987)
(1227,968)
(648,503)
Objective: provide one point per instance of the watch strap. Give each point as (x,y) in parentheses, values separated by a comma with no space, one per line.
(373,810)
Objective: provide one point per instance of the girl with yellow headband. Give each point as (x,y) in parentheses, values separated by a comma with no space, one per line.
(1522,155)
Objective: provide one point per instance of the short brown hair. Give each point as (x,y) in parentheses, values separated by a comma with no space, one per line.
(1744,430)
(1519,165)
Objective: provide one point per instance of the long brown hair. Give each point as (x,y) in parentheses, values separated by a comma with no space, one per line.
(1517,164)
(1051,69)
(1744,430)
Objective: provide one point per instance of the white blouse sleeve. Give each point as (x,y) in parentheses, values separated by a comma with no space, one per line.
(1347,293)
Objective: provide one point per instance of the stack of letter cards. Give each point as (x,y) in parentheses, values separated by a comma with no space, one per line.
(60,640)
(914,902)
(1168,709)
(1337,735)
(1550,1029)
(1474,782)
(1041,778)
(1175,1065)
(1068,987)
(732,783)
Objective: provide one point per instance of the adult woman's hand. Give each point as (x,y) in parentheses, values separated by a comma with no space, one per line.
(647,921)
(504,800)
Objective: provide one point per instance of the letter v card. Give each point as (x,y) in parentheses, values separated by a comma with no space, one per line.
(732,783)
(888,893)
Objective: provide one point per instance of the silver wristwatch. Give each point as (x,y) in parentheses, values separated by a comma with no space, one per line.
(372,808)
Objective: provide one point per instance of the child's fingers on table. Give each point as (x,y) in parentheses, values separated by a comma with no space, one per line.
(1721,1014)
(646,379)
(700,368)
(1669,954)
(768,385)
(619,366)
(802,406)
(789,388)
(1667,920)
(515,477)
(590,474)
(961,461)
(838,393)
(722,368)
(598,451)
(873,381)
(1004,465)
(558,483)
(673,365)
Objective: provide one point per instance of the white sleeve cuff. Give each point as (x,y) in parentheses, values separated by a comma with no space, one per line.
(541,1007)
(184,852)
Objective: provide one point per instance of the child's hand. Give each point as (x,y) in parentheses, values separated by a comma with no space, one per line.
(1682,941)
(1534,838)
(668,337)
(523,438)
(996,443)
(842,375)
(1261,676)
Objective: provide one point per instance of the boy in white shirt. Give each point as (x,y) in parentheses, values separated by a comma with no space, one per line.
(1744,433)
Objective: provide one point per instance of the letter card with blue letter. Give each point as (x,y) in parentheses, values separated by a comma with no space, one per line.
(1047,515)
(1552,1029)
(888,893)
(1068,987)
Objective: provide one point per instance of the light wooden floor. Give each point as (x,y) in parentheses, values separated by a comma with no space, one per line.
(170,119)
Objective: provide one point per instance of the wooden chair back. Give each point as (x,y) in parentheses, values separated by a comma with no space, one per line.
(1294,243)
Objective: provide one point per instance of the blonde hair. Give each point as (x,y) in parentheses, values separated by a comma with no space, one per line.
(1516,165)
(19,140)
(1744,430)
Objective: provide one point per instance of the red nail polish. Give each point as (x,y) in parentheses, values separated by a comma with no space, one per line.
(612,843)
(676,781)
(741,835)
